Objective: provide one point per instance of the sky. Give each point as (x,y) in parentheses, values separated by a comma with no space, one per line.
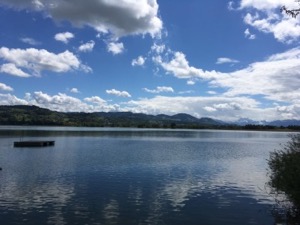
(226,60)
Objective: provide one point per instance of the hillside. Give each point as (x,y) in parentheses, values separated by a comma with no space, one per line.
(33,115)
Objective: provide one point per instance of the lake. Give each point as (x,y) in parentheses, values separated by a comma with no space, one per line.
(136,176)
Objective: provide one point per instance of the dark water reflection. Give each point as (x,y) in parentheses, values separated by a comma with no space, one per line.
(121,176)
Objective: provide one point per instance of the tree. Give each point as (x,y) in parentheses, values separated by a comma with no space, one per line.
(292,12)
(284,175)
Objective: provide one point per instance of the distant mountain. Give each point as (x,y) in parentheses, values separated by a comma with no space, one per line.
(184,117)
(246,121)
(284,123)
(276,123)
(33,115)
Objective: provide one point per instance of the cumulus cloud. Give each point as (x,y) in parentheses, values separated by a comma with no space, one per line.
(159,89)
(230,5)
(249,35)
(186,92)
(64,37)
(158,48)
(59,102)
(138,61)
(209,109)
(30,41)
(95,100)
(4,87)
(224,108)
(20,4)
(118,93)
(115,47)
(87,47)
(10,68)
(64,103)
(289,111)
(276,78)
(74,90)
(8,99)
(34,61)
(211,92)
(118,17)
(226,60)
(265,4)
(265,16)
(190,82)
(180,68)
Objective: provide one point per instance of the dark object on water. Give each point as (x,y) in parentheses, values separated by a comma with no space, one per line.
(0,168)
(33,143)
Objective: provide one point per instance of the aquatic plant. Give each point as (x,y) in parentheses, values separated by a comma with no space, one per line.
(284,178)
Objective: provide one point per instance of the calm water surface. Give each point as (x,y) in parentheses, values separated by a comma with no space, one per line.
(136,176)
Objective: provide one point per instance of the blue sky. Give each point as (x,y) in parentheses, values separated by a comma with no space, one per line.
(221,59)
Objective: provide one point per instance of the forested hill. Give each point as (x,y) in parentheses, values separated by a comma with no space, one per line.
(33,115)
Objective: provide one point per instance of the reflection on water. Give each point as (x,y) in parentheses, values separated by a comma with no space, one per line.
(130,176)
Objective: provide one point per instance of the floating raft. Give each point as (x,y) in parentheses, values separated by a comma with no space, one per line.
(33,143)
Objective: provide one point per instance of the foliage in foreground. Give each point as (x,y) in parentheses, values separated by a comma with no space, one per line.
(284,175)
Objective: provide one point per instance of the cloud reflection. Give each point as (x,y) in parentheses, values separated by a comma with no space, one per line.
(43,198)
(148,180)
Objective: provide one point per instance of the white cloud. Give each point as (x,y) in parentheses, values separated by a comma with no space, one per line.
(30,41)
(211,92)
(59,102)
(37,60)
(223,108)
(266,4)
(64,37)
(276,78)
(8,99)
(87,47)
(265,16)
(95,100)
(74,90)
(64,103)
(115,47)
(180,68)
(226,60)
(118,17)
(159,89)
(249,35)
(11,69)
(34,4)
(190,82)
(186,92)
(138,61)
(289,112)
(118,93)
(230,5)
(209,109)
(158,49)
(4,87)
(86,68)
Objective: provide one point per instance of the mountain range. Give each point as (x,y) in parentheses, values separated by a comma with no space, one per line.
(33,115)
(276,123)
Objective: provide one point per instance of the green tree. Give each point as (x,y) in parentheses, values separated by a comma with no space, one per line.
(284,176)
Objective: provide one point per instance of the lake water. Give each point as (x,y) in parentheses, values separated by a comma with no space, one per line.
(136,176)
